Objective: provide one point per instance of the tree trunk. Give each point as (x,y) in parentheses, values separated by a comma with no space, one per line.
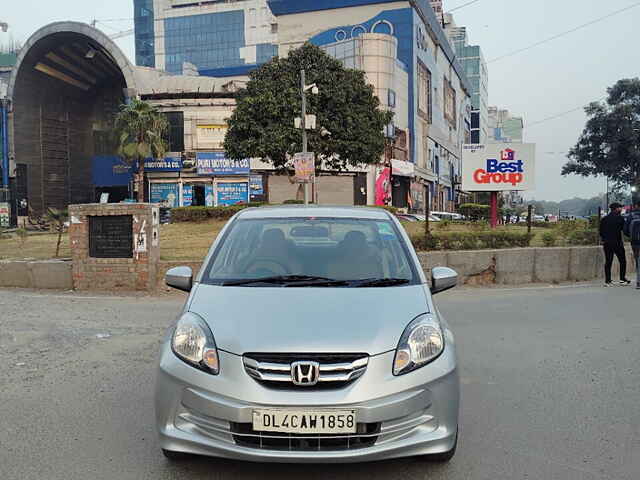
(140,179)
(59,241)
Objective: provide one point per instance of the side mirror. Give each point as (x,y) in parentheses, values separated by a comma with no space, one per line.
(180,278)
(443,278)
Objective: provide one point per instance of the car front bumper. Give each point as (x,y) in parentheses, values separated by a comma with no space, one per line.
(413,414)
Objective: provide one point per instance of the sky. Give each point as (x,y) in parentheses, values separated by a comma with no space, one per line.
(561,75)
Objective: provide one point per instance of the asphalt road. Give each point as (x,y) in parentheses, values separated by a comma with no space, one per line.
(551,390)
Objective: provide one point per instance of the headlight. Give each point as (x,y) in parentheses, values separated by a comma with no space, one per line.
(421,342)
(193,342)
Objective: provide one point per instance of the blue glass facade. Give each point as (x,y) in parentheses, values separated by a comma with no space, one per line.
(145,35)
(209,41)
(265,52)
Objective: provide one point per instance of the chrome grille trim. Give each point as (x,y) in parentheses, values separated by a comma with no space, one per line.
(280,372)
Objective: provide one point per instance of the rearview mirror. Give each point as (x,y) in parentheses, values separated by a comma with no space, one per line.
(180,278)
(443,278)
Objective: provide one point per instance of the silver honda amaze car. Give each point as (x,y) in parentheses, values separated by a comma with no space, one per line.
(309,335)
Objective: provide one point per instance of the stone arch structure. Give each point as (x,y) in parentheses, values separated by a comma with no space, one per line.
(68,83)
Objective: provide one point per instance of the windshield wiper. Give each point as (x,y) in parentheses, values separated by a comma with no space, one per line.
(378,282)
(286,280)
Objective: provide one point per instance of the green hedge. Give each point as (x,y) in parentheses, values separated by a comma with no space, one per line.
(200,214)
(471,240)
(475,211)
(583,237)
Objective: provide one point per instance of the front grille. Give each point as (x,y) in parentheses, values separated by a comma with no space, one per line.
(335,369)
(245,436)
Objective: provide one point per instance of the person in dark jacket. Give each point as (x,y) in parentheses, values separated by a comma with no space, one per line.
(611,228)
(632,230)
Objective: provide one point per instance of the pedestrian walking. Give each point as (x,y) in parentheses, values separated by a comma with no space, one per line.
(611,228)
(632,230)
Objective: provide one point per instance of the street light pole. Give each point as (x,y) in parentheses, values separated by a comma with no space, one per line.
(303,85)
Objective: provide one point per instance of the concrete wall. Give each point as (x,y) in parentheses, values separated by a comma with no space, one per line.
(476,268)
(50,274)
(525,265)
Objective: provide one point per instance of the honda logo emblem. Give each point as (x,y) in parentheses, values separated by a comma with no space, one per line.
(305,374)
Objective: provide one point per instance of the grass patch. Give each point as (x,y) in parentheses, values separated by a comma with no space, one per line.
(36,246)
(188,241)
(191,240)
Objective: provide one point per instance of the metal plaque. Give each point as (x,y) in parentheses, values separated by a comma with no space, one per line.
(111,236)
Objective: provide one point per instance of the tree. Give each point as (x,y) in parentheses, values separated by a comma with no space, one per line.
(58,219)
(142,130)
(610,142)
(262,124)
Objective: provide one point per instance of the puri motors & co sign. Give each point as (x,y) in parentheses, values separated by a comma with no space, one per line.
(498,167)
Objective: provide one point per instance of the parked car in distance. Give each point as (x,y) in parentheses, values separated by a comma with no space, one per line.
(309,335)
(416,217)
(448,216)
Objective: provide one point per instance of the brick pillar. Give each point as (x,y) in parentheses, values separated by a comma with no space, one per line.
(108,269)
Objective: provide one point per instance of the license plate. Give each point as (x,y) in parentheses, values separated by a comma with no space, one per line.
(304,421)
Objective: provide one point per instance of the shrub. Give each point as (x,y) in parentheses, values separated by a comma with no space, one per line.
(543,224)
(564,228)
(480,225)
(549,239)
(475,211)
(443,225)
(293,202)
(200,214)
(494,239)
(583,237)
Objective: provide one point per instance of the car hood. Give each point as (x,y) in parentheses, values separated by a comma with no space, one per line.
(309,319)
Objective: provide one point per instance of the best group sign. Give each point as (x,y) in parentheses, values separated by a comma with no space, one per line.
(498,167)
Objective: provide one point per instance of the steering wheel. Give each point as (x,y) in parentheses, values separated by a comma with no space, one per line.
(281,268)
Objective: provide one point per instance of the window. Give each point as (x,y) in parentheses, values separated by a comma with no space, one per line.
(209,41)
(449,103)
(424,93)
(392,98)
(175,135)
(337,248)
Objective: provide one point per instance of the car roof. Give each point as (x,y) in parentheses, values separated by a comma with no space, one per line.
(322,211)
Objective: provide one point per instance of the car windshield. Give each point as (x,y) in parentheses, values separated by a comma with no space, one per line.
(341,252)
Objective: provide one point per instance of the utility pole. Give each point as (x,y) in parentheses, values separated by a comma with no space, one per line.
(303,84)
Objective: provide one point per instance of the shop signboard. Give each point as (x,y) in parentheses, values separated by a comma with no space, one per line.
(211,135)
(166,194)
(305,167)
(498,167)
(169,164)
(217,164)
(208,195)
(232,193)
(110,171)
(256,188)
(383,187)
(5,214)
(417,196)
(187,195)
(402,168)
